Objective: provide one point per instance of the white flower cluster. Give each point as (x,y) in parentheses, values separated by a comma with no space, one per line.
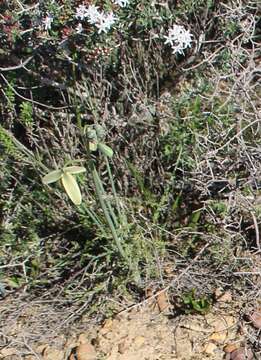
(179,38)
(121,3)
(103,21)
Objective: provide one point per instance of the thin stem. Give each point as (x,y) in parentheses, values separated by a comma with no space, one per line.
(113,186)
(106,213)
(94,217)
(114,218)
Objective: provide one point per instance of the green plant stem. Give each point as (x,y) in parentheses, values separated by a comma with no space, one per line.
(93,217)
(116,238)
(112,214)
(113,186)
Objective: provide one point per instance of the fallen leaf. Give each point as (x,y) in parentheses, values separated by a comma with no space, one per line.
(162,301)
(242,354)
(148,292)
(255,319)
(72,357)
(229,348)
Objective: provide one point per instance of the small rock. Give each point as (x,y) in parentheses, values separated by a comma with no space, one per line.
(53,354)
(8,352)
(83,339)
(107,326)
(122,347)
(218,337)
(40,348)
(222,296)
(242,354)
(210,348)
(222,324)
(231,321)
(86,351)
(225,298)
(183,345)
(139,341)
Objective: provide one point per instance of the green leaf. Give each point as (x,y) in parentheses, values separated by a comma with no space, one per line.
(74,169)
(71,187)
(52,177)
(14,282)
(106,150)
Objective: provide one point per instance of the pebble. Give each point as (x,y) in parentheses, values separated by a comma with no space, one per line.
(86,351)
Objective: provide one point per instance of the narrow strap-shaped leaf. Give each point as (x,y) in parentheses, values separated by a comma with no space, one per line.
(74,169)
(105,149)
(52,177)
(71,187)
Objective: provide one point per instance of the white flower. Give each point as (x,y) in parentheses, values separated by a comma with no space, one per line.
(121,3)
(47,22)
(101,20)
(105,22)
(93,14)
(81,12)
(179,38)
(79,28)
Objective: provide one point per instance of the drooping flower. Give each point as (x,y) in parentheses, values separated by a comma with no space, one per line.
(68,180)
(121,3)
(79,28)
(179,38)
(47,22)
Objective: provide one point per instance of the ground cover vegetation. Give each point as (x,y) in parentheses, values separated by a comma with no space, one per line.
(129,153)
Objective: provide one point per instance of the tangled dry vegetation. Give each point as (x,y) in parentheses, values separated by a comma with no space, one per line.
(185,131)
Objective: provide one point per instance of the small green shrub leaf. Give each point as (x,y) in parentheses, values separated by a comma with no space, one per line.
(52,177)
(106,150)
(71,187)
(74,169)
